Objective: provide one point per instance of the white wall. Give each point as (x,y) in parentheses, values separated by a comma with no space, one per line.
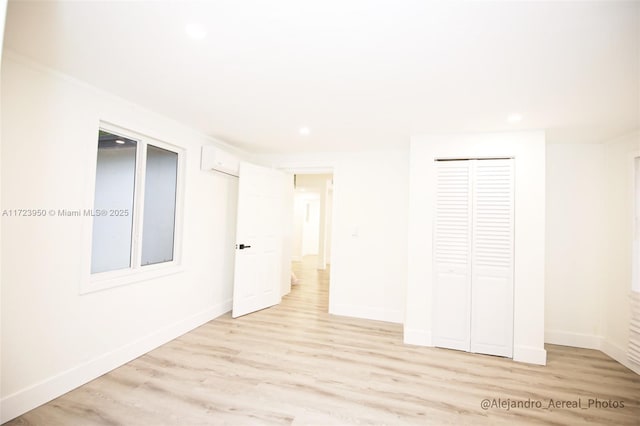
(53,338)
(310,226)
(619,155)
(329,224)
(312,182)
(528,148)
(589,245)
(576,244)
(288,232)
(369,242)
(3,16)
(299,213)
(368,270)
(322,228)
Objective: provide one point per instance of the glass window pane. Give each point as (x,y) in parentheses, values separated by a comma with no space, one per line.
(159,205)
(115,182)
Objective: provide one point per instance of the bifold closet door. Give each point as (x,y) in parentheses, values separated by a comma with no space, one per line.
(452,255)
(473,256)
(492,258)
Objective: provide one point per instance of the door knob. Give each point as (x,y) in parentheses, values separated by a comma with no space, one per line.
(243,246)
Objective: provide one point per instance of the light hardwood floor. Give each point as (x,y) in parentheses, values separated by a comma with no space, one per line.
(296,364)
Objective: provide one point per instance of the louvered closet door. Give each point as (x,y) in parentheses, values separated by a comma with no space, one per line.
(492,258)
(452,255)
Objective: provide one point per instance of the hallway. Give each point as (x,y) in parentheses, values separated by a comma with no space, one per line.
(312,289)
(296,364)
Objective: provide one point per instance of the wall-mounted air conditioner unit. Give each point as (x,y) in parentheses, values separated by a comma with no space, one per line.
(213,158)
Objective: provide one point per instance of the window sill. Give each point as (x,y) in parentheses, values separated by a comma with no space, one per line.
(107,280)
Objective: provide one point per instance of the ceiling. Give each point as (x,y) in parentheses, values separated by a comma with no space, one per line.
(360,74)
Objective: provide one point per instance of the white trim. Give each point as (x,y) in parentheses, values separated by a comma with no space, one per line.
(413,336)
(578,340)
(311,170)
(526,354)
(586,341)
(619,354)
(130,276)
(138,208)
(35,395)
(529,355)
(366,312)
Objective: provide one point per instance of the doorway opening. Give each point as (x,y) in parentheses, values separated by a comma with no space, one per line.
(312,228)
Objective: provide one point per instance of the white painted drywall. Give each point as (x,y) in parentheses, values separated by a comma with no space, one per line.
(322,222)
(589,245)
(3,16)
(635,260)
(368,269)
(312,182)
(299,210)
(53,338)
(576,244)
(619,156)
(329,225)
(287,231)
(306,221)
(311,227)
(528,148)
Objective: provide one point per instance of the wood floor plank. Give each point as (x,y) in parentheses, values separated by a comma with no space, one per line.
(294,364)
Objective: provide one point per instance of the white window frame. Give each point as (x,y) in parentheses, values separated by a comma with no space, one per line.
(136,272)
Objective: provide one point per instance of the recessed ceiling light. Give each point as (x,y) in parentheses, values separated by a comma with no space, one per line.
(195,31)
(514,118)
(304,131)
(120,141)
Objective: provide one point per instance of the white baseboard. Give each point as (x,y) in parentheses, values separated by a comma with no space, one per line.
(413,336)
(578,340)
(586,341)
(620,355)
(35,395)
(525,354)
(367,312)
(530,355)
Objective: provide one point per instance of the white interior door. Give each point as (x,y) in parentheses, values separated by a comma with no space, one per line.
(259,239)
(452,255)
(492,258)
